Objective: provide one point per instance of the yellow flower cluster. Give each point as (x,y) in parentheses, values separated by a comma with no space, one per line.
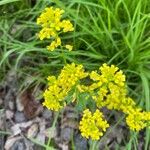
(93,125)
(137,120)
(108,87)
(108,90)
(52,25)
(58,88)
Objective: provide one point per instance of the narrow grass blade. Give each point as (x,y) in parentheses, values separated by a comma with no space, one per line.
(3,2)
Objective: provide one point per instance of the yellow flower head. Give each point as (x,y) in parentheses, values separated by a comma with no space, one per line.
(54,44)
(69,47)
(59,87)
(67,26)
(109,87)
(108,90)
(136,120)
(50,17)
(52,25)
(93,125)
(111,74)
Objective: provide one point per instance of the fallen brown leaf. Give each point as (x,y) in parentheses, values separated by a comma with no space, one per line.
(31,107)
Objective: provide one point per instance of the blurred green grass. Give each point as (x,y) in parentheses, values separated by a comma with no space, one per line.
(114,32)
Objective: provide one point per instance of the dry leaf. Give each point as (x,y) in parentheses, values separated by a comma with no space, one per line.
(31,107)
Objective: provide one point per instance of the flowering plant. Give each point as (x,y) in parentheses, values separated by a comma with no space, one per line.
(107,86)
(52,26)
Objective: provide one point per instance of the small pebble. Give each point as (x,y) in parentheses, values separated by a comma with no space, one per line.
(51,132)
(66,134)
(20,107)
(47,114)
(18,145)
(11,105)
(32,131)
(80,143)
(19,117)
(9,114)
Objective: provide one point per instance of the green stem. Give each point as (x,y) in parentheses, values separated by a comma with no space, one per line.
(93,145)
(53,125)
(63,57)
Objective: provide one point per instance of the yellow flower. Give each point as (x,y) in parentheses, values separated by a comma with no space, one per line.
(67,26)
(136,120)
(54,99)
(46,33)
(58,41)
(69,47)
(50,17)
(147,116)
(51,80)
(93,125)
(111,74)
(54,44)
(59,87)
(52,25)
(107,90)
(109,87)
(127,105)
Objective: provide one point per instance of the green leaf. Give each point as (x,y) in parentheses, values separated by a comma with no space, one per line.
(3,2)
(84,101)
